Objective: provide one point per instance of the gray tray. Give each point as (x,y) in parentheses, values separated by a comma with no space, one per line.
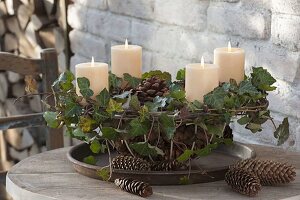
(205,169)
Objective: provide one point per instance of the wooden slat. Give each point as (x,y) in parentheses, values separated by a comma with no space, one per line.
(20,121)
(24,66)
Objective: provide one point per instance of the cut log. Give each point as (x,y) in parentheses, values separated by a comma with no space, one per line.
(3,88)
(27,49)
(38,7)
(24,14)
(3,10)
(2,28)
(59,39)
(18,141)
(10,42)
(40,21)
(18,89)
(30,34)
(12,6)
(50,6)
(47,37)
(13,77)
(12,25)
(26,2)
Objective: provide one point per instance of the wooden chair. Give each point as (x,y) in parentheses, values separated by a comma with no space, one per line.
(47,66)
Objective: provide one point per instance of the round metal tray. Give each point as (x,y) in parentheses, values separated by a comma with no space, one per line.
(205,169)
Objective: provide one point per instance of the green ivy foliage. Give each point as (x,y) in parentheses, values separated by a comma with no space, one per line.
(118,115)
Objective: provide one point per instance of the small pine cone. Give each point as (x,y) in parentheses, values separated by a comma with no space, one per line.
(243,181)
(135,187)
(130,163)
(150,88)
(167,165)
(269,172)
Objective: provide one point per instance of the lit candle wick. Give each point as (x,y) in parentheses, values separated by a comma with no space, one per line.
(202,62)
(93,62)
(229,46)
(126,44)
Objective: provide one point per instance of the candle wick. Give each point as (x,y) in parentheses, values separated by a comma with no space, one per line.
(202,62)
(93,62)
(126,44)
(229,46)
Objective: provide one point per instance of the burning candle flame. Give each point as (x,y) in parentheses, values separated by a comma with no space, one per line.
(229,46)
(202,62)
(93,62)
(126,44)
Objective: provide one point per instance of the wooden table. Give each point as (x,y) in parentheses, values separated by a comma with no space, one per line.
(50,176)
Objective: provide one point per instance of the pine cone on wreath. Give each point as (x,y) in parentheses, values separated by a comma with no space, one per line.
(130,163)
(242,181)
(150,88)
(269,172)
(135,187)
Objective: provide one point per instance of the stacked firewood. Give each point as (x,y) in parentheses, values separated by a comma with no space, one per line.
(27,26)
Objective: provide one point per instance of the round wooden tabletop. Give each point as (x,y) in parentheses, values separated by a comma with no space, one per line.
(50,176)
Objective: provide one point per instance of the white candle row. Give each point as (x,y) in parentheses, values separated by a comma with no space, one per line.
(201,78)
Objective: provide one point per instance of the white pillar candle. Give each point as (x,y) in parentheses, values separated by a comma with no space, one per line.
(96,73)
(200,79)
(126,59)
(231,62)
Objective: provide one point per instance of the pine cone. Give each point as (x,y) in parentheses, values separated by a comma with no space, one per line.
(167,165)
(269,172)
(130,163)
(150,88)
(135,187)
(243,181)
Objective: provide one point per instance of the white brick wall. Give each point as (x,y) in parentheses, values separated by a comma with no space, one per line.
(176,32)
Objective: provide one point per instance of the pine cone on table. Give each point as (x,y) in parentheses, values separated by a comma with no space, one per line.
(135,187)
(150,88)
(269,172)
(242,181)
(130,163)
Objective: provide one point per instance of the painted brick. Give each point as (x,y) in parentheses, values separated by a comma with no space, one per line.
(257,4)
(286,31)
(236,21)
(77,16)
(88,45)
(147,61)
(108,25)
(144,33)
(141,8)
(286,6)
(99,4)
(190,13)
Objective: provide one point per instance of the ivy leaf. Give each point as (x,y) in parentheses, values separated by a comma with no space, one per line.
(144,113)
(90,160)
(135,103)
(244,120)
(145,149)
(86,124)
(159,102)
(253,127)
(109,133)
(95,146)
(282,132)
(215,129)
(114,81)
(78,133)
(84,86)
(103,98)
(137,127)
(215,99)
(206,150)
(178,94)
(162,75)
(167,124)
(104,173)
(132,81)
(100,116)
(262,79)
(51,119)
(246,87)
(114,106)
(185,155)
(72,109)
(181,75)
(64,81)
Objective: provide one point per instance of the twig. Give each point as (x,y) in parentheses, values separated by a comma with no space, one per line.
(128,148)
(271,119)
(171,150)
(28,95)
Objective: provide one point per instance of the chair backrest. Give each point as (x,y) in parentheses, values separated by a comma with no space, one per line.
(47,66)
